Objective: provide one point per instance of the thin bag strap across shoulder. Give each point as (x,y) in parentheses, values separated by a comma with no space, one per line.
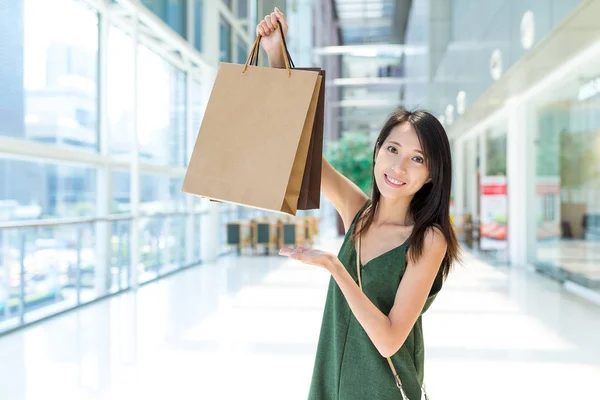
(396,376)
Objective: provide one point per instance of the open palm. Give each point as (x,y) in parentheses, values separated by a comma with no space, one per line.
(309,256)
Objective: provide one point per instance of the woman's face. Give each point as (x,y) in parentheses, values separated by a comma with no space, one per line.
(400,169)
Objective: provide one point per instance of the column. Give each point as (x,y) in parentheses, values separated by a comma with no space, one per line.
(134,236)
(190,21)
(190,234)
(210,228)
(210,233)
(300,35)
(458,180)
(103,178)
(519,177)
(472,172)
(210,32)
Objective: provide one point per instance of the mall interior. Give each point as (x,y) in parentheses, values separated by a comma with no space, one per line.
(116,284)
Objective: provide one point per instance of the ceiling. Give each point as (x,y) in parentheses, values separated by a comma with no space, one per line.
(555,69)
(371,83)
(372,21)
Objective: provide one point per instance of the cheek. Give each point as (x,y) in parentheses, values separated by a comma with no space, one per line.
(420,176)
(379,164)
(378,171)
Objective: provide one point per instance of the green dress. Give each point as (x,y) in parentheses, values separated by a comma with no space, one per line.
(347,364)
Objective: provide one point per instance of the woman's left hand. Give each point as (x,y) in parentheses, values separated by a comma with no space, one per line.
(311,256)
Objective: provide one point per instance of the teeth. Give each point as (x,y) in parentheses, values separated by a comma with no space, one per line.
(395,182)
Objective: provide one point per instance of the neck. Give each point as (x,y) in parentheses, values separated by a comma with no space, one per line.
(393,212)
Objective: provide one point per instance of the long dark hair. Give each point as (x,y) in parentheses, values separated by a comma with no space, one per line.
(431,204)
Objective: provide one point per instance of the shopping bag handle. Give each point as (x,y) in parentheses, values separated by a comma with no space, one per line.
(253,56)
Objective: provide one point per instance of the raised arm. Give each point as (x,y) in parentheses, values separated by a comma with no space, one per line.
(346,197)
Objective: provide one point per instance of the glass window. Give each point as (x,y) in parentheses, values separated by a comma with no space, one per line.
(170,11)
(197,112)
(121,192)
(225,41)
(33,190)
(175,244)
(152,243)
(242,52)
(568,189)
(199,220)
(162,246)
(242,9)
(161,237)
(493,201)
(495,152)
(49,73)
(178,198)
(161,103)
(161,194)
(60,270)
(198,108)
(120,92)
(119,255)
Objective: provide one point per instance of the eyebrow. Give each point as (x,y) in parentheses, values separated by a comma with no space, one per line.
(398,144)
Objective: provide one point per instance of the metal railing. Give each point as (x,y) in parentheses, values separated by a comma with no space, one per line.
(54,265)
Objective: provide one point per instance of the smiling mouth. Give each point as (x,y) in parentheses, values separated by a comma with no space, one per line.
(393,182)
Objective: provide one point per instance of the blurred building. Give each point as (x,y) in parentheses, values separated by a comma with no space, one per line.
(102,100)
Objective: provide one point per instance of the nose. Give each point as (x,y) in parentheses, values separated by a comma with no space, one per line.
(398,168)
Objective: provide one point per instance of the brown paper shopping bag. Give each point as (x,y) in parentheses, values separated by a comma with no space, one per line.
(253,141)
(310,191)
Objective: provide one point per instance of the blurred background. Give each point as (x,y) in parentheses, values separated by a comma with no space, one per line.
(115,284)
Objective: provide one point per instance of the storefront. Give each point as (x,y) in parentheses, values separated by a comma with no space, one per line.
(567,178)
(482,182)
(528,176)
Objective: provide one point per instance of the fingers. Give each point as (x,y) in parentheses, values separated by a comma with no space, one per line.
(273,19)
(269,24)
(291,249)
(269,21)
(285,251)
(279,15)
(263,29)
(293,252)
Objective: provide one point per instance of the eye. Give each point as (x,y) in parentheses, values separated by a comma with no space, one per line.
(418,159)
(392,149)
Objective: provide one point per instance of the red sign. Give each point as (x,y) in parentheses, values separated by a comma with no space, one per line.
(493,189)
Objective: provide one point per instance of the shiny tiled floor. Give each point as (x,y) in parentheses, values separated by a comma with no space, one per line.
(247,328)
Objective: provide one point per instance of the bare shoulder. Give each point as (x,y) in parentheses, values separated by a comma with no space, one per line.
(434,238)
(434,248)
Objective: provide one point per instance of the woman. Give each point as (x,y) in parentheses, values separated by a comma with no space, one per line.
(404,242)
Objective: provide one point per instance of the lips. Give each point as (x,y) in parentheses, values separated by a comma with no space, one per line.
(395,183)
